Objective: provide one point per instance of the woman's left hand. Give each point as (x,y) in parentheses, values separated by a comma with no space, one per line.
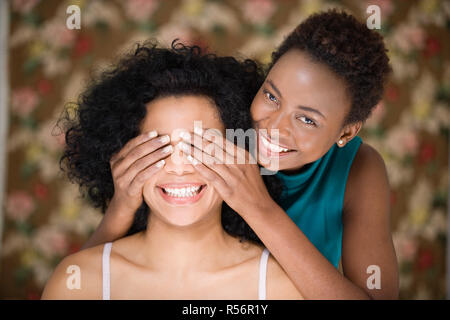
(232,171)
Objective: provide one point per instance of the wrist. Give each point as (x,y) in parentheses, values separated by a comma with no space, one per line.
(266,207)
(117,219)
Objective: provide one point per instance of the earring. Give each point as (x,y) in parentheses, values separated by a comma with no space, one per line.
(341,142)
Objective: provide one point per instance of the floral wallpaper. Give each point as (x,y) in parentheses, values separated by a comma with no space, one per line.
(45,218)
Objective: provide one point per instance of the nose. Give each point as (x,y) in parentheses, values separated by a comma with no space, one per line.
(177,163)
(278,120)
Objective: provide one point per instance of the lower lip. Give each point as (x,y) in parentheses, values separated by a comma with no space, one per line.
(181,200)
(264,151)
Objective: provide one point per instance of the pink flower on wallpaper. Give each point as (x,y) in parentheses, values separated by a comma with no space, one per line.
(19,205)
(57,34)
(24,101)
(409,249)
(411,142)
(402,141)
(140,10)
(409,37)
(51,241)
(406,246)
(258,11)
(24,6)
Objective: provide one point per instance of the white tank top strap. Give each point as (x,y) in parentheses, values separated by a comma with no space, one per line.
(262,274)
(106,271)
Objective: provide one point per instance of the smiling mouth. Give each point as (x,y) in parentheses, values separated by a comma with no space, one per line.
(272,149)
(181,194)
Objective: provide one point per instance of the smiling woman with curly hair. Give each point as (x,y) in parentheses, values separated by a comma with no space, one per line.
(184,242)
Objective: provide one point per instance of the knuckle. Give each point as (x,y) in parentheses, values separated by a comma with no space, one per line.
(130,192)
(121,184)
(135,153)
(139,164)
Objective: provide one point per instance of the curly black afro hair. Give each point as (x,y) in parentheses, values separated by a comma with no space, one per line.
(109,112)
(351,50)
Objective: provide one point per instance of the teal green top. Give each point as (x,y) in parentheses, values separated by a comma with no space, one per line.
(314,198)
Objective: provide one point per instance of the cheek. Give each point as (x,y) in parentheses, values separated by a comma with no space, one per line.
(307,139)
(257,109)
(149,193)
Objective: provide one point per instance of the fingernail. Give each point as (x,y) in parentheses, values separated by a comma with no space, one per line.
(167,149)
(152,134)
(198,130)
(192,160)
(164,139)
(160,163)
(185,135)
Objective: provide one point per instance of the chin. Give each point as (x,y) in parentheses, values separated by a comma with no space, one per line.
(180,218)
(177,212)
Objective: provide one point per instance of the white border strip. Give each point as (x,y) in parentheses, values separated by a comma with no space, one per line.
(4,105)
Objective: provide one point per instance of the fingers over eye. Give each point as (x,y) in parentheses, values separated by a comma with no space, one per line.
(131,144)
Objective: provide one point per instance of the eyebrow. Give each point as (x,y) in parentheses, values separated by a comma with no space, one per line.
(311,110)
(274,87)
(277,91)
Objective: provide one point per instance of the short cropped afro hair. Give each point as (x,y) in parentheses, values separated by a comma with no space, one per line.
(351,50)
(110,110)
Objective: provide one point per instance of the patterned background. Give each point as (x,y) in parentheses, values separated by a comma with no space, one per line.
(45,219)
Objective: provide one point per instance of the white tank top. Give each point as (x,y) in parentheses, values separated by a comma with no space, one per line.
(106,272)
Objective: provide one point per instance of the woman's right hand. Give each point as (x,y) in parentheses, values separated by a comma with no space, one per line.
(131,167)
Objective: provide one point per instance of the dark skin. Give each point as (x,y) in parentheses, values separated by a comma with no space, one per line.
(296,91)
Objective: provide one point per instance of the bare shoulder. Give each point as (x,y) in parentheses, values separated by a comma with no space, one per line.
(367,174)
(278,285)
(77,276)
(367,160)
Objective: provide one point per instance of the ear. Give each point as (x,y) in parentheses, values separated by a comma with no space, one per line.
(348,132)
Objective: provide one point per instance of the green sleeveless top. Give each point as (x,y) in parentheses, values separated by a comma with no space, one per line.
(314,197)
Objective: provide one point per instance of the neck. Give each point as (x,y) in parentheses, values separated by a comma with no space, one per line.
(183,250)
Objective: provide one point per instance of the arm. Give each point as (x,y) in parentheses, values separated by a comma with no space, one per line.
(313,275)
(114,225)
(130,168)
(366,239)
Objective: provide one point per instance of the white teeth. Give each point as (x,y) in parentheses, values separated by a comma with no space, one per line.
(273,147)
(182,192)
